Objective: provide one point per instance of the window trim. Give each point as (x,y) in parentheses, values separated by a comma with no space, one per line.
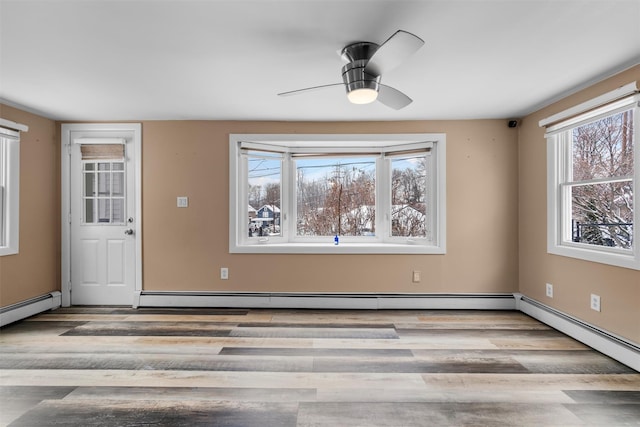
(338,143)
(558,154)
(10,191)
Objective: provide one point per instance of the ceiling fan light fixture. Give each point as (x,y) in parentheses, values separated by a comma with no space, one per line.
(362,96)
(366,62)
(361,88)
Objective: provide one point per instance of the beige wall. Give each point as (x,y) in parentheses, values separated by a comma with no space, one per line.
(35,270)
(573,280)
(185,248)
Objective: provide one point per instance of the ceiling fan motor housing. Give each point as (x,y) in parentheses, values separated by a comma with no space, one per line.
(353,74)
(354,77)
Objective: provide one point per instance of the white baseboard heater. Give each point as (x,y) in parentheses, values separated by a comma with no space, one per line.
(22,310)
(616,347)
(345,301)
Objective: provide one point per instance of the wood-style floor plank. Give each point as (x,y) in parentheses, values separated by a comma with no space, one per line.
(117,366)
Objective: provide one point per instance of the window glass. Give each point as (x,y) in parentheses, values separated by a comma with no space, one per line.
(336,196)
(602,211)
(104,192)
(409,199)
(602,214)
(603,148)
(264,172)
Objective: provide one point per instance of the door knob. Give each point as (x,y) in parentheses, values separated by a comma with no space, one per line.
(128,232)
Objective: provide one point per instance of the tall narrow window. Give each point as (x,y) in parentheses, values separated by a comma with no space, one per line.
(600,181)
(410,195)
(264,182)
(9,189)
(593,173)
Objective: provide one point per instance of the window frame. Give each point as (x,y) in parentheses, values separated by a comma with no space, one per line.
(9,191)
(338,144)
(559,184)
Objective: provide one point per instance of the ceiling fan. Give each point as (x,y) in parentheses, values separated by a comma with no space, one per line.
(366,63)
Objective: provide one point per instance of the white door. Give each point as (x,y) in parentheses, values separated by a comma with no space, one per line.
(103,219)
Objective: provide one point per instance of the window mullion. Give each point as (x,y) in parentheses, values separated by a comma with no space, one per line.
(288,211)
(383,198)
(242,231)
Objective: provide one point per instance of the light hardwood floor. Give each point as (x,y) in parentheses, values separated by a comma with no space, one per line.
(100,366)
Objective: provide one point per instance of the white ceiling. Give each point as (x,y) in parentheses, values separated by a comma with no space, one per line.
(145,60)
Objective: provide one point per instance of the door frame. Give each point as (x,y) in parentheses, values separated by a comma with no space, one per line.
(65,189)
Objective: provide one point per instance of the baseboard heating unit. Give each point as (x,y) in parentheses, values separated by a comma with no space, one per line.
(30,307)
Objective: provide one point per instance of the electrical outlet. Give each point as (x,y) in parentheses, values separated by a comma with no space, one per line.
(416,276)
(549,290)
(224,273)
(595,302)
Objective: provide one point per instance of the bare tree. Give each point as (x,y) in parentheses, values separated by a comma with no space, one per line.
(342,203)
(603,212)
(409,191)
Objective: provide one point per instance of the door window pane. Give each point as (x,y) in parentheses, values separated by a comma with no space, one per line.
(104,187)
(104,214)
(89,211)
(117,185)
(118,212)
(89,184)
(104,192)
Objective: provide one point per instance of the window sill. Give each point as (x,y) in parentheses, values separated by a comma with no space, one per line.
(625,260)
(342,248)
(8,251)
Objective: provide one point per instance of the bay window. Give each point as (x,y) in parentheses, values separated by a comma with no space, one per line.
(337,193)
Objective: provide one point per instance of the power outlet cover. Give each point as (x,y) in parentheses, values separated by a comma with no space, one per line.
(595,302)
(549,290)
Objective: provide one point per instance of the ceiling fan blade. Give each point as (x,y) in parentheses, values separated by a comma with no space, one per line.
(309,89)
(393,52)
(393,97)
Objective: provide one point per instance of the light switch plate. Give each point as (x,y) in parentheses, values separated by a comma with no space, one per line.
(183,202)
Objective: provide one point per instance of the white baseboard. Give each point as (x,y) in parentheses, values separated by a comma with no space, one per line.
(328,301)
(22,310)
(616,347)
